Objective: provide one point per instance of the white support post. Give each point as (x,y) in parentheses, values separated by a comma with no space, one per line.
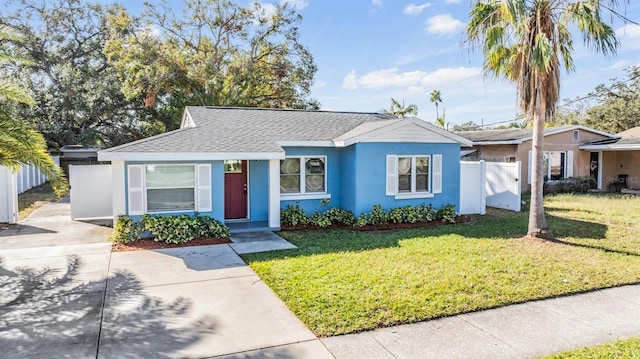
(118,190)
(274,193)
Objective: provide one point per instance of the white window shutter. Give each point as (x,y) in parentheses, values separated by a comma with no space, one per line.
(529,168)
(569,165)
(437,174)
(204,188)
(136,190)
(392,171)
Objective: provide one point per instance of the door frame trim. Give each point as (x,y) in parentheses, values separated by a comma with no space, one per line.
(248,217)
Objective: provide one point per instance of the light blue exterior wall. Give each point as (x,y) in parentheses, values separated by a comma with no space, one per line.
(368,181)
(258,190)
(333,172)
(356,179)
(217,188)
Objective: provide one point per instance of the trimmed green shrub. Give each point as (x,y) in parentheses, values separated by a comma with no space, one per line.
(168,229)
(125,230)
(570,185)
(396,215)
(319,220)
(377,216)
(361,221)
(293,216)
(340,216)
(447,213)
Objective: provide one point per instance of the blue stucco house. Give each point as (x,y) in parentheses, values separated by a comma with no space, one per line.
(242,165)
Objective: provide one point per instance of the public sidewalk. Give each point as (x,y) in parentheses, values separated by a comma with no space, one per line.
(528,330)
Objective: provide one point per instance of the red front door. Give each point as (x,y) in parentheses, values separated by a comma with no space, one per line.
(235,189)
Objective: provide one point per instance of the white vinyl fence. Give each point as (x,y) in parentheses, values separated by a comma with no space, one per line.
(12,184)
(91,193)
(493,184)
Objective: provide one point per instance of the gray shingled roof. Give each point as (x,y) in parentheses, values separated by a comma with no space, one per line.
(505,135)
(248,130)
(630,137)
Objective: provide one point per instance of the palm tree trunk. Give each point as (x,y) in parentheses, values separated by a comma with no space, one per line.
(437,115)
(537,221)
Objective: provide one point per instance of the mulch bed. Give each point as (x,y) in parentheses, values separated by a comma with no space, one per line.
(369,227)
(150,244)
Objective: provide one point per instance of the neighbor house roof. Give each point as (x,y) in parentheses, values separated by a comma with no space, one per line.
(518,135)
(624,141)
(251,133)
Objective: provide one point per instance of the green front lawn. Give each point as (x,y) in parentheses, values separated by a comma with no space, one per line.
(341,281)
(619,349)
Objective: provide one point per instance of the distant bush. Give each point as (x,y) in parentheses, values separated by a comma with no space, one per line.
(570,185)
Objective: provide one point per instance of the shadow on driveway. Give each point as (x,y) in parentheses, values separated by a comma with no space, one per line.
(46,313)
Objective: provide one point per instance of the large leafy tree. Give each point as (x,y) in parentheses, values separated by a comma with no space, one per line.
(529,42)
(214,53)
(19,143)
(78,95)
(612,108)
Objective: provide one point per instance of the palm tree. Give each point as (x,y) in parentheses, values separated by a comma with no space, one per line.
(528,42)
(19,143)
(399,110)
(436,99)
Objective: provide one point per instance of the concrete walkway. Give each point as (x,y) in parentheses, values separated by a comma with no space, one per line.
(64,294)
(526,330)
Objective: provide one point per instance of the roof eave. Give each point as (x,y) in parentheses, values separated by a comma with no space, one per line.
(612,147)
(188,156)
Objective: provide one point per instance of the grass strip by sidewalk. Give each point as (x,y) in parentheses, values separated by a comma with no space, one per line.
(340,281)
(619,349)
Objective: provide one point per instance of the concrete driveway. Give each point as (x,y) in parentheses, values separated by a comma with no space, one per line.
(64,294)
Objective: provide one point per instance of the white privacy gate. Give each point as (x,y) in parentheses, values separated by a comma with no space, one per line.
(90,192)
(503,185)
(472,195)
(493,184)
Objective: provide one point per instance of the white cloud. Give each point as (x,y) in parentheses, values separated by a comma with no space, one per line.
(413,9)
(376,2)
(453,2)
(412,80)
(629,36)
(320,84)
(620,65)
(263,11)
(450,75)
(443,24)
(296,4)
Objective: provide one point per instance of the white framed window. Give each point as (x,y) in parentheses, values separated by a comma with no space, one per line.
(166,188)
(414,176)
(303,176)
(557,165)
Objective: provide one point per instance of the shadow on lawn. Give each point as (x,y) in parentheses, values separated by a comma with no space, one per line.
(498,226)
(48,312)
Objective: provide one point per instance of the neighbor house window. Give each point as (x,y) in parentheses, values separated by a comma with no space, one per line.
(303,175)
(554,165)
(576,135)
(414,176)
(170,188)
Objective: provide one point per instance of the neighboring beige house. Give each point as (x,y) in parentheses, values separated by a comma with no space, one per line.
(620,159)
(564,156)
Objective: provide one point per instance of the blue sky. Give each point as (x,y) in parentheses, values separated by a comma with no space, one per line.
(368,51)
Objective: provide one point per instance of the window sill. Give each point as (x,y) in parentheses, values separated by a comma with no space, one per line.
(303,196)
(413,195)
